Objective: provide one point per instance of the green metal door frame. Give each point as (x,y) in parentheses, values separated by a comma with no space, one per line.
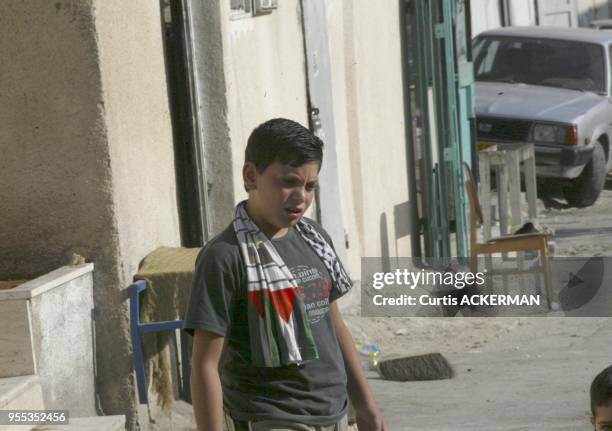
(444,93)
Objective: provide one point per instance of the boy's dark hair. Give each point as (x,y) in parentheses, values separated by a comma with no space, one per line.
(601,390)
(284,141)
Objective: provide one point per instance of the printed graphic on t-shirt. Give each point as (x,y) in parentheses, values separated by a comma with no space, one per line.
(313,288)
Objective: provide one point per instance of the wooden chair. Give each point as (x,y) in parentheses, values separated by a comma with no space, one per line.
(537,241)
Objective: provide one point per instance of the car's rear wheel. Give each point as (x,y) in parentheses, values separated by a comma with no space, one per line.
(584,190)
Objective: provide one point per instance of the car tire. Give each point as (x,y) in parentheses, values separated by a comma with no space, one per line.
(584,190)
(548,188)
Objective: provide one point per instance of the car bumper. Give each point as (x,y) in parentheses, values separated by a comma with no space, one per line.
(556,162)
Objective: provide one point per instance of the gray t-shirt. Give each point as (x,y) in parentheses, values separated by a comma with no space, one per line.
(313,393)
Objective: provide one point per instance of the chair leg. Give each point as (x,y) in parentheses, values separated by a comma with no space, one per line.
(186,367)
(139,366)
(547,275)
(137,356)
(474,262)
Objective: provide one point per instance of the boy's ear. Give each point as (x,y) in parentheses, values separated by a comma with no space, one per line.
(249,176)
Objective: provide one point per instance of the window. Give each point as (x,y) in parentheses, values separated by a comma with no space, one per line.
(246,8)
(262,7)
(240,8)
(565,64)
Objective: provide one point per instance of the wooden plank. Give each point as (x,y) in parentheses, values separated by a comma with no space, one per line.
(530,184)
(502,193)
(502,197)
(484,168)
(16,350)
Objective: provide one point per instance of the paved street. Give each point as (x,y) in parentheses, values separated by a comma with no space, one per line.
(541,385)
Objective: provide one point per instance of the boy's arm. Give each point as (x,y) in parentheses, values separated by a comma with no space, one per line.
(206,393)
(368,415)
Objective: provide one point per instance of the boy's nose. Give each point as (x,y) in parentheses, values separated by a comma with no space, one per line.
(299,195)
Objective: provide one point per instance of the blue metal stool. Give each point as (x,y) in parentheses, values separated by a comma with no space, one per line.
(137,328)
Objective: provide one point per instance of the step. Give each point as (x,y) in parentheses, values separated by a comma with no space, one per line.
(16,348)
(96,423)
(20,393)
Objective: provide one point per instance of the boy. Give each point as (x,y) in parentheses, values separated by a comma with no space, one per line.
(270,350)
(601,401)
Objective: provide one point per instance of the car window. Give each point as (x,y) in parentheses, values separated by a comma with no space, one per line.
(547,62)
(485,51)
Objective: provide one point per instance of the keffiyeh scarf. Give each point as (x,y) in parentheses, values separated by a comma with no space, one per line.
(279,327)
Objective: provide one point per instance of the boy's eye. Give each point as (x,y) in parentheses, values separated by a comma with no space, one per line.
(291,183)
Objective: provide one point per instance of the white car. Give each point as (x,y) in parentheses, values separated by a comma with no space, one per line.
(550,87)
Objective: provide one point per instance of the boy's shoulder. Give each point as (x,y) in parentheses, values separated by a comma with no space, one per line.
(319,229)
(223,248)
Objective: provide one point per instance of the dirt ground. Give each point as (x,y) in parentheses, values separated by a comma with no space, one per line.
(580,231)
(511,373)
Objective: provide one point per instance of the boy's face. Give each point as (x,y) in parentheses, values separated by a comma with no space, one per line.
(279,196)
(603,418)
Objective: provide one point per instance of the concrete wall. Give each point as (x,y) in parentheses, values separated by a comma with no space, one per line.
(372,142)
(522,12)
(265,75)
(56,173)
(342,53)
(62,332)
(486,15)
(87,162)
(265,78)
(139,139)
(138,127)
(210,88)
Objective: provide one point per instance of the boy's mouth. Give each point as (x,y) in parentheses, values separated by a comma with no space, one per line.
(293,213)
(293,210)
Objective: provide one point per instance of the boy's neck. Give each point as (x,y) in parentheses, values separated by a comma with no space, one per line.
(271,231)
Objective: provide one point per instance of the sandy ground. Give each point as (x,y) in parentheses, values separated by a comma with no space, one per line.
(580,231)
(511,373)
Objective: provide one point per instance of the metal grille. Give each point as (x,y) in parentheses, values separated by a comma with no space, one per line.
(504,130)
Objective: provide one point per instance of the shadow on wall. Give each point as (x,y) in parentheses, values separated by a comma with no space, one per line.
(384,242)
(401,223)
